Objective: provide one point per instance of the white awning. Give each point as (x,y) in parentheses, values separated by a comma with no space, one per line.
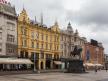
(14,61)
(58,62)
(89,64)
(98,65)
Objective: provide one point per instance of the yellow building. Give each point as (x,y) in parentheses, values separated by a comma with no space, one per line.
(37,41)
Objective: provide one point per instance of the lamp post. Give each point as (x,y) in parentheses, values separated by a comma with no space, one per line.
(34,62)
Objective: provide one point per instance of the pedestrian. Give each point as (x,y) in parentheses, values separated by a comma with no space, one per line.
(106,69)
(95,69)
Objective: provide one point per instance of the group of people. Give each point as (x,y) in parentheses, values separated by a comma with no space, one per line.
(96,69)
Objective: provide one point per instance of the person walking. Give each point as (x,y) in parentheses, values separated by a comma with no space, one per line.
(106,69)
(95,69)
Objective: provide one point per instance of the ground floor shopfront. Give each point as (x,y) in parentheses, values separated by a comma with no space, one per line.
(42,60)
(14,67)
(11,64)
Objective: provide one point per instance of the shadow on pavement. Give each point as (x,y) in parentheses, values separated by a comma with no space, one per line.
(78,73)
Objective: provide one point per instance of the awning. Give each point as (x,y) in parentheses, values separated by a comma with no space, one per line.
(89,64)
(98,65)
(58,62)
(14,61)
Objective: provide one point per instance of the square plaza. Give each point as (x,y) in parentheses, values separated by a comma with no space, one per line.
(57,76)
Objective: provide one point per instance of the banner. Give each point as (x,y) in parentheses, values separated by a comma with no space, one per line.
(88,55)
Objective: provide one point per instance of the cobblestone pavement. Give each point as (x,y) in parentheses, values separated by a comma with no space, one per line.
(91,76)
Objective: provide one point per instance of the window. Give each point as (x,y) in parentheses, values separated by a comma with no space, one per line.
(32,44)
(0,35)
(65,38)
(48,56)
(0,47)
(42,36)
(10,26)
(42,54)
(55,47)
(10,50)
(1,27)
(9,17)
(72,39)
(24,43)
(46,46)
(26,54)
(37,35)
(21,54)
(50,38)
(42,46)
(75,39)
(46,38)
(32,35)
(37,46)
(61,46)
(32,55)
(24,31)
(62,38)
(50,46)
(36,55)
(10,38)
(55,38)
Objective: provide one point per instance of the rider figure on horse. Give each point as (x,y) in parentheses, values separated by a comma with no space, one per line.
(76,51)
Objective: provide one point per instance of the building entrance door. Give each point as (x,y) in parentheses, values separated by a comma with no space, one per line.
(48,64)
(41,65)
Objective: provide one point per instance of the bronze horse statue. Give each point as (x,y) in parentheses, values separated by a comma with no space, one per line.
(76,51)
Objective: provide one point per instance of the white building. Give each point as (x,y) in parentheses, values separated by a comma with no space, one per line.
(8,29)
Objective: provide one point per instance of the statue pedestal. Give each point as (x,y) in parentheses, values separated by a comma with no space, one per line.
(75,66)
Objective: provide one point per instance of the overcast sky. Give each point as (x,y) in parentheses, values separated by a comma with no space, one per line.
(90,17)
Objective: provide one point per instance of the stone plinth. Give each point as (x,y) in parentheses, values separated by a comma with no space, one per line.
(75,66)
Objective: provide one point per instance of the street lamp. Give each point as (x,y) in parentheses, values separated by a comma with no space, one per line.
(34,60)
(34,63)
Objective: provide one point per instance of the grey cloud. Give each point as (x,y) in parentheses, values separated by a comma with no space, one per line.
(99,28)
(51,9)
(96,11)
(93,15)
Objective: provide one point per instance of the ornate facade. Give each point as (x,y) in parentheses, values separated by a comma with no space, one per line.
(69,39)
(37,42)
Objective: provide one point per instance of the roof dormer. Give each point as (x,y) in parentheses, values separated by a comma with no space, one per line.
(23,16)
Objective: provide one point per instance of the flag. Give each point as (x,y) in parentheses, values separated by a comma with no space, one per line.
(88,55)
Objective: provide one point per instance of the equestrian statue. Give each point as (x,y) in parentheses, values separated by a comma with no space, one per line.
(77,51)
